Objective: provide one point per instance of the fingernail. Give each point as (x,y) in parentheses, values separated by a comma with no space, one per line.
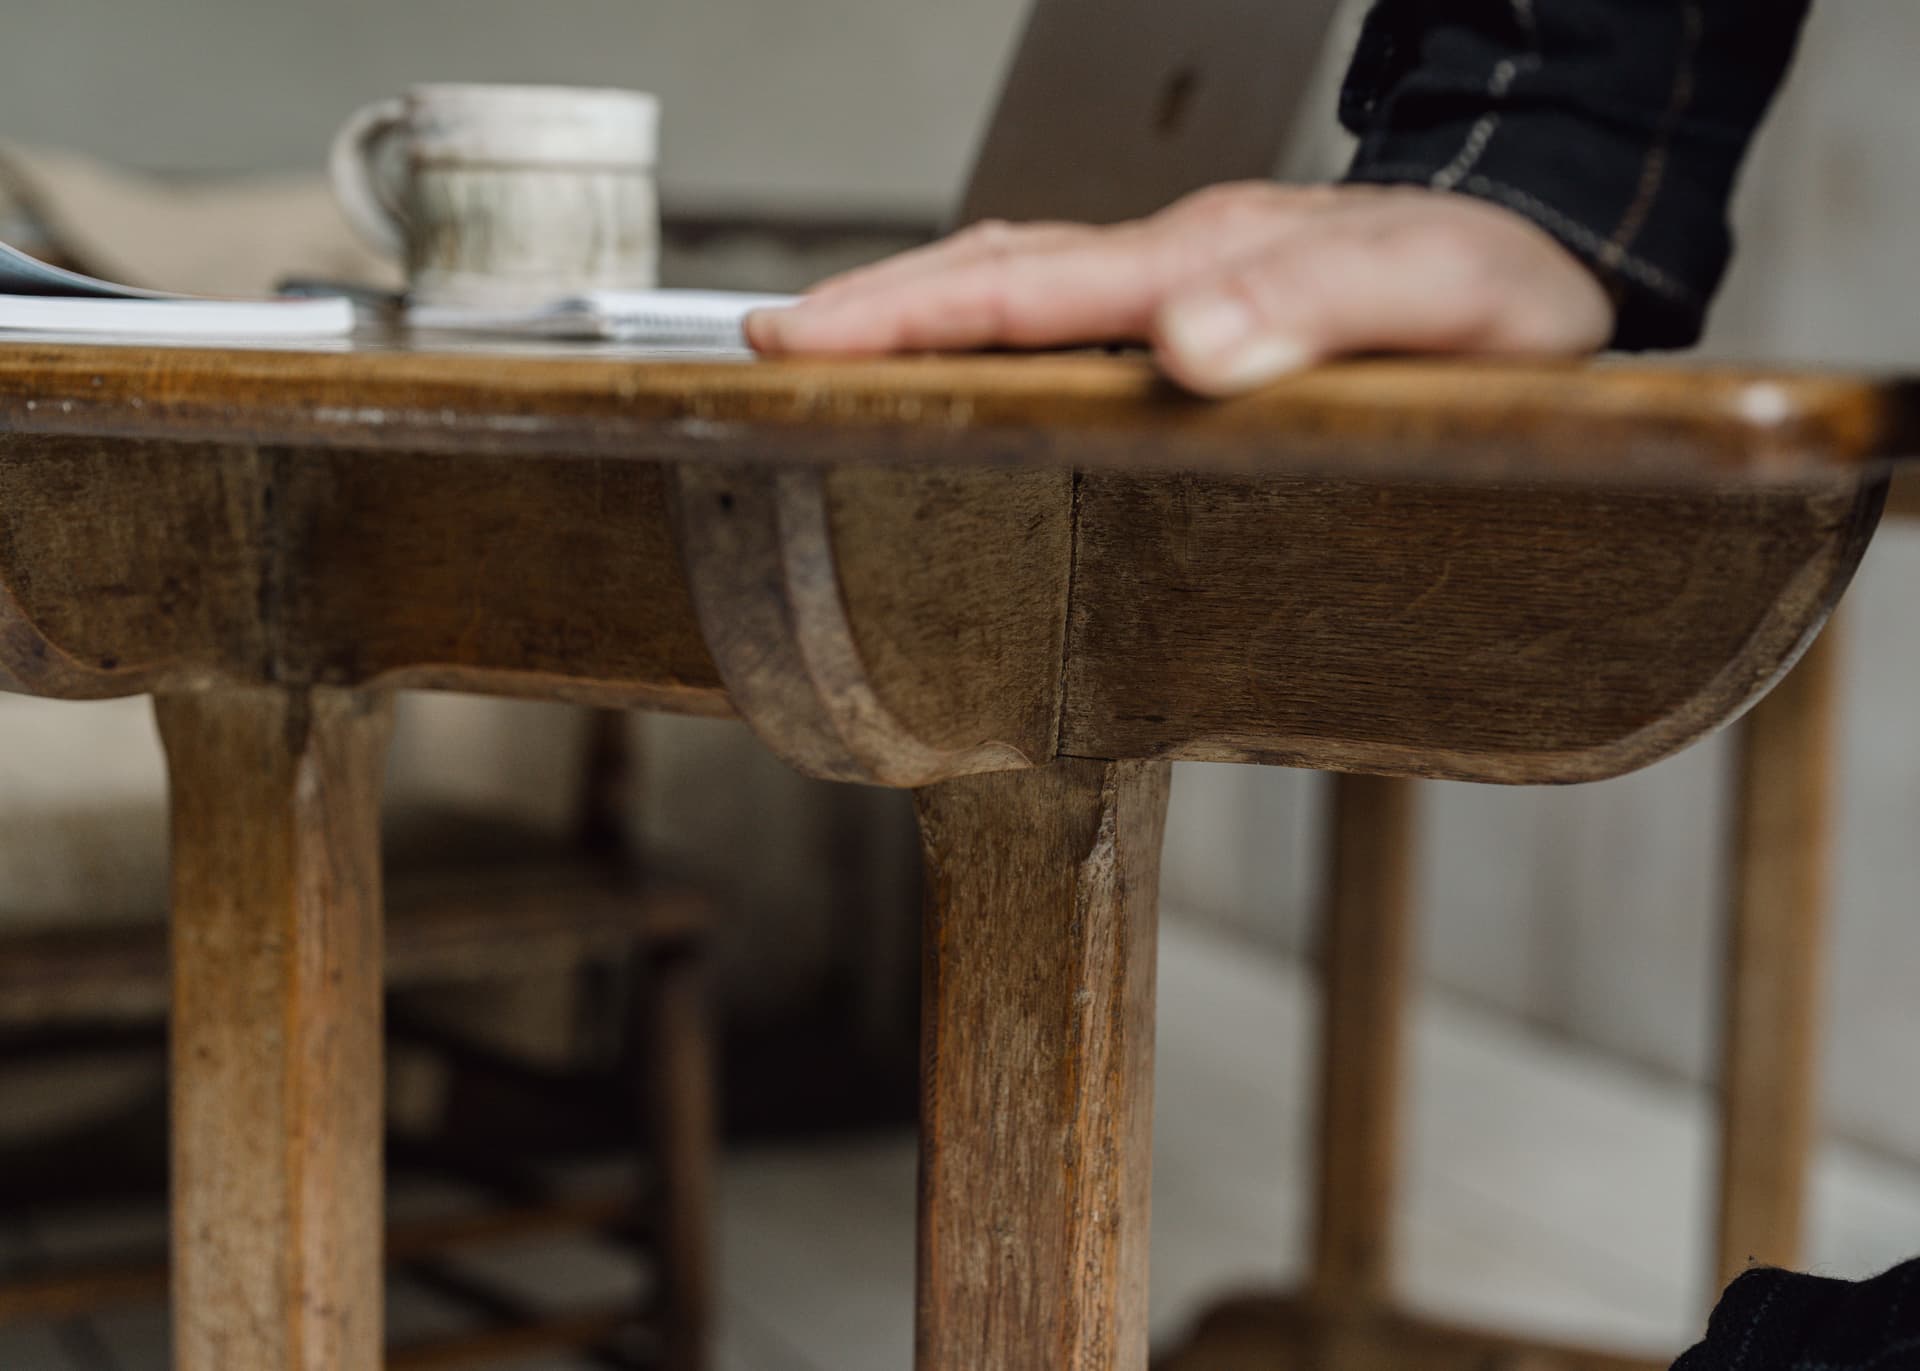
(765,330)
(1220,343)
(1205,327)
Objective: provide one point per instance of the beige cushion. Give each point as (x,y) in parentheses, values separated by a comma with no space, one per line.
(201,237)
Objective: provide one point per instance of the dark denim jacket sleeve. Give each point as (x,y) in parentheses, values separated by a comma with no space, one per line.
(1618,126)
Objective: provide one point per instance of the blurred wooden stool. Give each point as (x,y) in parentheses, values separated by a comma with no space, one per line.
(1347,1318)
(470,900)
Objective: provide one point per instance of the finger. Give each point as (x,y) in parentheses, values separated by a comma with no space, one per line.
(1097,290)
(980,240)
(1065,287)
(1367,287)
(767,330)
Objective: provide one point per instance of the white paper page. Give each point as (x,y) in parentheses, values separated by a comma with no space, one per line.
(701,318)
(174,318)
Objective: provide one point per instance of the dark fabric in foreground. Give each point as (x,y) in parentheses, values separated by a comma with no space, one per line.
(1779,1321)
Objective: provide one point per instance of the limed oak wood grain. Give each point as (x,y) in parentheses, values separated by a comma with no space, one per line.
(484,573)
(683,1131)
(1782,853)
(899,625)
(1037,1112)
(1537,632)
(136,566)
(275,1033)
(1502,633)
(1365,956)
(886,625)
(1474,419)
(128,567)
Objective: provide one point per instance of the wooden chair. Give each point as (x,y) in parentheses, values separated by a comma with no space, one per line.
(469,901)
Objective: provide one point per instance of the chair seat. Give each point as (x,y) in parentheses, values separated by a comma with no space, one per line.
(468,899)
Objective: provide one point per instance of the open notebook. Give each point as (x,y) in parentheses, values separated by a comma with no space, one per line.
(40,298)
(689,319)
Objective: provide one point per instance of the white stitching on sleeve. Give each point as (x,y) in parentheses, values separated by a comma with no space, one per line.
(1628,264)
(1504,73)
(1653,172)
(1611,255)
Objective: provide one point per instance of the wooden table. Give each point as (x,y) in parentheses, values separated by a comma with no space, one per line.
(1019,587)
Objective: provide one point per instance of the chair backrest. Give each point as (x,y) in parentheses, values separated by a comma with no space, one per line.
(1115,108)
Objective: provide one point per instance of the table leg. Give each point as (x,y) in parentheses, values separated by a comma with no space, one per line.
(1770,1030)
(681,1111)
(276,1060)
(1037,1109)
(1364,989)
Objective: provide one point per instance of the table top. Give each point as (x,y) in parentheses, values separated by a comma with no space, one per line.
(902,571)
(1419,418)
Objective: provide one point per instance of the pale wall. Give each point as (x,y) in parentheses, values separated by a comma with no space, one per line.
(836,103)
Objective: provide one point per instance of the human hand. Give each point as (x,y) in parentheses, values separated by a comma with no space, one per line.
(1233,287)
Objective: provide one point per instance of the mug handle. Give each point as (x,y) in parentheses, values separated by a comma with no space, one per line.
(362,199)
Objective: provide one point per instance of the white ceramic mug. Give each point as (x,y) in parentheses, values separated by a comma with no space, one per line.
(504,197)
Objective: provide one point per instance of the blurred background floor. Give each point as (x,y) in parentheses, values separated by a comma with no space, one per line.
(1547,1186)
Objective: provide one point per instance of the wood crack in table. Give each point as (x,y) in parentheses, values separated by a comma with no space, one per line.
(1018,586)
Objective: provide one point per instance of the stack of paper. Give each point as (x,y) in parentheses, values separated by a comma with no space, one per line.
(688,319)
